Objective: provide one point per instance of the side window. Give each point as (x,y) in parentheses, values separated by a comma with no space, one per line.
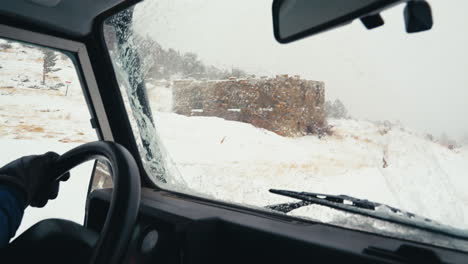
(42,108)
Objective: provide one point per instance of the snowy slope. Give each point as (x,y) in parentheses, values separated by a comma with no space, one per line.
(36,118)
(237,162)
(21,67)
(32,110)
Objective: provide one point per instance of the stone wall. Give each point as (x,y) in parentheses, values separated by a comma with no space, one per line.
(288,106)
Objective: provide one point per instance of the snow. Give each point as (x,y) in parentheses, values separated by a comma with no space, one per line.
(36,118)
(234,161)
(237,162)
(378,161)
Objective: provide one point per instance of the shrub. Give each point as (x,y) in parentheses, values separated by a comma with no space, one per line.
(5,46)
(336,110)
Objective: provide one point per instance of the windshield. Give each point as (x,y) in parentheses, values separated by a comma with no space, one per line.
(377,115)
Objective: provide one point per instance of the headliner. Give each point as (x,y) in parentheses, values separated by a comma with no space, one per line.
(73,18)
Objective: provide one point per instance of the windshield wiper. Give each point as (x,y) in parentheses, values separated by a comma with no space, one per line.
(341,199)
(364,207)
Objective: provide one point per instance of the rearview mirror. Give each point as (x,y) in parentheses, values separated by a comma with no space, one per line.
(296,19)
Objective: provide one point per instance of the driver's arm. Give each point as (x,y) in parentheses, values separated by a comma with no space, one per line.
(11,213)
(26,181)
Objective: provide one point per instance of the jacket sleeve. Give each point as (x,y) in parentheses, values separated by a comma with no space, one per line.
(11,213)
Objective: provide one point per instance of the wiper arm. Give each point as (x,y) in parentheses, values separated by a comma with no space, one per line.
(314,198)
(366,208)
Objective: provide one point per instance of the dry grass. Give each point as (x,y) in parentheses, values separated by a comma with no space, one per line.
(364,140)
(73,140)
(8,51)
(30,91)
(22,137)
(315,166)
(52,78)
(337,136)
(29,128)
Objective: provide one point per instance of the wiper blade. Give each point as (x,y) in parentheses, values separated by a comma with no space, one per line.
(341,199)
(366,208)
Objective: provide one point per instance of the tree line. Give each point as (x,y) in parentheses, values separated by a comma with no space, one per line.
(160,63)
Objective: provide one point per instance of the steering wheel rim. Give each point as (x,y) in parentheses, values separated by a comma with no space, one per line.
(125,202)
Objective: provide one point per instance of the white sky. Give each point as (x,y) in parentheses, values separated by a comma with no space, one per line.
(383,74)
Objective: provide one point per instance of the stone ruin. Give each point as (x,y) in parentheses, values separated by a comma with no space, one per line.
(288,106)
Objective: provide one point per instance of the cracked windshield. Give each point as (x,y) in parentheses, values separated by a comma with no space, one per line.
(372,114)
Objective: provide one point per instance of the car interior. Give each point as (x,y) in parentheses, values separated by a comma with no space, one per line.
(137,221)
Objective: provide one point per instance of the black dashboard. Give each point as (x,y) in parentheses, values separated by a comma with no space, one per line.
(178,229)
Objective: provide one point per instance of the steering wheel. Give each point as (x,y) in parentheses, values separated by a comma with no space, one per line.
(121,217)
(113,241)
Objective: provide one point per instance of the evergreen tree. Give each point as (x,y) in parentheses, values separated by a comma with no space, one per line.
(49,62)
(464,140)
(444,139)
(335,109)
(238,73)
(340,109)
(159,63)
(329,111)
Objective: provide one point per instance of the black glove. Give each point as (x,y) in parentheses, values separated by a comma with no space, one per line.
(34,177)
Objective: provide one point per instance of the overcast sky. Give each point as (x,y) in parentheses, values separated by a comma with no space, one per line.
(420,80)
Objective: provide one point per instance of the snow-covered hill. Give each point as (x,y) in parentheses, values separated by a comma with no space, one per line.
(30,109)
(36,117)
(235,161)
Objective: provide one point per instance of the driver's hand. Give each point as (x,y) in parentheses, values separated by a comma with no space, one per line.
(34,176)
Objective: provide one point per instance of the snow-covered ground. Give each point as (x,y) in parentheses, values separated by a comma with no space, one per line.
(378,161)
(235,161)
(36,118)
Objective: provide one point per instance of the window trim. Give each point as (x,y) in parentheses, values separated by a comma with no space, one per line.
(78,54)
